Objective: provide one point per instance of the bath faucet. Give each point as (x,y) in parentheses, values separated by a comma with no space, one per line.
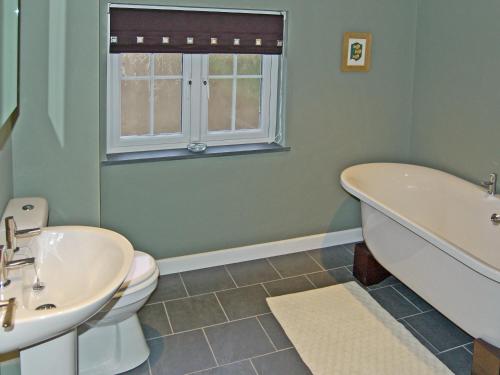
(5,265)
(9,305)
(11,232)
(495,219)
(491,184)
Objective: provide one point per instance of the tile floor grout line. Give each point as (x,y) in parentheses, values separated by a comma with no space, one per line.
(265,290)
(231,276)
(248,285)
(241,360)
(336,268)
(348,270)
(412,315)
(184,284)
(274,268)
(200,371)
(406,298)
(168,318)
(222,307)
(349,250)
(308,279)
(450,349)
(149,367)
(315,261)
(372,288)
(210,347)
(213,368)
(466,348)
(209,326)
(423,338)
(267,334)
(253,367)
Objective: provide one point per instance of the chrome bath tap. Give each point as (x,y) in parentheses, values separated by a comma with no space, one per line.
(491,184)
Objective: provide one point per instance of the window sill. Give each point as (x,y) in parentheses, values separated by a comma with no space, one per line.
(178,154)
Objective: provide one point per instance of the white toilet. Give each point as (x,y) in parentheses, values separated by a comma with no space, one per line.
(112,341)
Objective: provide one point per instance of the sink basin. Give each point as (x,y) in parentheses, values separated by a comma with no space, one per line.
(80,267)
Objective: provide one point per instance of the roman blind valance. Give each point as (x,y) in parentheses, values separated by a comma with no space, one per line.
(185,31)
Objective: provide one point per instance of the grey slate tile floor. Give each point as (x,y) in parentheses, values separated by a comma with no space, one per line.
(216,321)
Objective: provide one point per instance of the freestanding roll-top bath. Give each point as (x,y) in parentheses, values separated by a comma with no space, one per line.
(433,231)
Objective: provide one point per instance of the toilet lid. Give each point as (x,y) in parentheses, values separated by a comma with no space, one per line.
(143,266)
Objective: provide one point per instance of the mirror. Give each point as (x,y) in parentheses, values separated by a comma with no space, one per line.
(9,43)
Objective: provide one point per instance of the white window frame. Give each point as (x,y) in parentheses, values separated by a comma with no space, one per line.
(194,108)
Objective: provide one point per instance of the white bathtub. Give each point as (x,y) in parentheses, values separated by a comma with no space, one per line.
(433,231)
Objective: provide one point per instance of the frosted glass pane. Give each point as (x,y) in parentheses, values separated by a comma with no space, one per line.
(220,104)
(168,64)
(168,96)
(135,64)
(135,107)
(220,64)
(249,64)
(248,103)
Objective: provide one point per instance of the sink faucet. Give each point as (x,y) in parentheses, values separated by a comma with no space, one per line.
(11,232)
(491,184)
(6,265)
(9,305)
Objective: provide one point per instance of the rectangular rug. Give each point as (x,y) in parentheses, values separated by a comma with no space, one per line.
(342,330)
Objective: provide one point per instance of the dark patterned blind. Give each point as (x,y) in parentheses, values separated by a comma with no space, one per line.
(184,31)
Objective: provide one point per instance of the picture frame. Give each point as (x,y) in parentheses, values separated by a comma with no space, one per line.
(356,52)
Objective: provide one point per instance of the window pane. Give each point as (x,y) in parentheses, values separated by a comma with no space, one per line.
(220,64)
(168,64)
(135,64)
(168,96)
(135,107)
(249,64)
(220,104)
(248,103)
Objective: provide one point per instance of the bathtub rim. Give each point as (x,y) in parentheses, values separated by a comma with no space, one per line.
(452,250)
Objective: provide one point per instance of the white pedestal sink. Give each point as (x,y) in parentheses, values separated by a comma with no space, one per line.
(81,268)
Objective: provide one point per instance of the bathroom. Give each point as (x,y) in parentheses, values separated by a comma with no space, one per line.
(429,98)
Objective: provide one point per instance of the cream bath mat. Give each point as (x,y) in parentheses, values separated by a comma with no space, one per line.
(342,330)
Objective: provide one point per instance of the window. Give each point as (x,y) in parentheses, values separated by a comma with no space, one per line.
(165,100)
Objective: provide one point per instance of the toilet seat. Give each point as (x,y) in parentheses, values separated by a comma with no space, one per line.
(143,267)
(139,283)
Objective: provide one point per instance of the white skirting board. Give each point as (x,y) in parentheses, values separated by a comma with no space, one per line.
(258,251)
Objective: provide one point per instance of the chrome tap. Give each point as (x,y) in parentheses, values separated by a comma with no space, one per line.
(495,219)
(491,184)
(11,232)
(7,319)
(4,281)
(5,265)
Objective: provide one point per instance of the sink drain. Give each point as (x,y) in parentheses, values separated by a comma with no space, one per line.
(47,306)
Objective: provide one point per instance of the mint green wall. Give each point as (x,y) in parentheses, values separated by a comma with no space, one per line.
(334,120)
(457,87)
(56,139)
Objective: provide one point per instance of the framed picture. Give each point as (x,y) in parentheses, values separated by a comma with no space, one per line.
(356,52)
